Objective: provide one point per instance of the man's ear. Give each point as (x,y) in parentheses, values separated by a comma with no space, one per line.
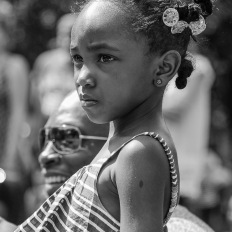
(168,66)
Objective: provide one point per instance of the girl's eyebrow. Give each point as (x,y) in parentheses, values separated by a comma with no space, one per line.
(96,47)
(103,45)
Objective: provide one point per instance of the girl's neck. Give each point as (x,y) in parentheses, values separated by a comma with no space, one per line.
(147,116)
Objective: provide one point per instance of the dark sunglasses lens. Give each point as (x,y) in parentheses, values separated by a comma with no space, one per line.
(42,138)
(65,139)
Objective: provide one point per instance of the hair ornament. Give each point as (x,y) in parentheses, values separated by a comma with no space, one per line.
(171,19)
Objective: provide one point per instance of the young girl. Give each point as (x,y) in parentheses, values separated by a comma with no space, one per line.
(124,54)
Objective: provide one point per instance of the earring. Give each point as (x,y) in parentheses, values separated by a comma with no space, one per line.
(158,82)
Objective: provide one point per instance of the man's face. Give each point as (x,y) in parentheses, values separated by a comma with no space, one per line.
(57,168)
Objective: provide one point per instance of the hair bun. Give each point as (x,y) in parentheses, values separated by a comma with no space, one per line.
(185,70)
(181,82)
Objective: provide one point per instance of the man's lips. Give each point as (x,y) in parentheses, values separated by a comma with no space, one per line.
(56,179)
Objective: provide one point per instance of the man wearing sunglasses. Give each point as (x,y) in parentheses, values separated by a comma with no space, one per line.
(68,141)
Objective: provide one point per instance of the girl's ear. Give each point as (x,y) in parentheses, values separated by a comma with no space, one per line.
(168,66)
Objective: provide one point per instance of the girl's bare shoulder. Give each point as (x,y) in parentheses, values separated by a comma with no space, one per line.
(143,154)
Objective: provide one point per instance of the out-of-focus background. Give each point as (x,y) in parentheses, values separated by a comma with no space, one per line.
(34,56)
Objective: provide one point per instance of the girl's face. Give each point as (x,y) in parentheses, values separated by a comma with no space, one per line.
(112,72)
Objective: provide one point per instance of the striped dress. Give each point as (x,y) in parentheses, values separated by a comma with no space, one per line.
(76,206)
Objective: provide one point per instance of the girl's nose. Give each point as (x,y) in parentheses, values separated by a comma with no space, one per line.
(49,157)
(84,78)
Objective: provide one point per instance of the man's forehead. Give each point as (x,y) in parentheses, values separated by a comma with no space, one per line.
(68,115)
(69,110)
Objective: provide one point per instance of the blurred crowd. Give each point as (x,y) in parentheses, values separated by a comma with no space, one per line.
(36,76)
(28,97)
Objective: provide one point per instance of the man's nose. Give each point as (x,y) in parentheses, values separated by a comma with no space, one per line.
(84,77)
(49,157)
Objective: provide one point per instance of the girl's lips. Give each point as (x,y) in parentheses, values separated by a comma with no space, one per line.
(87,100)
(88,103)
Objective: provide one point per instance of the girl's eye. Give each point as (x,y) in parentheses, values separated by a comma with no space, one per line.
(106,58)
(77,59)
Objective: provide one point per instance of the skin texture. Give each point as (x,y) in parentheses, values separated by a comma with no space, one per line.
(56,170)
(114,78)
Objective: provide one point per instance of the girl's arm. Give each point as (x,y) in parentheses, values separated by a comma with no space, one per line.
(142,175)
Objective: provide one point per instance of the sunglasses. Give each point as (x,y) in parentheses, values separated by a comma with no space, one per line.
(65,139)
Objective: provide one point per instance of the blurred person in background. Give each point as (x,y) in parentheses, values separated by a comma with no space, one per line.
(183,220)
(188,116)
(217,179)
(52,73)
(14,150)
